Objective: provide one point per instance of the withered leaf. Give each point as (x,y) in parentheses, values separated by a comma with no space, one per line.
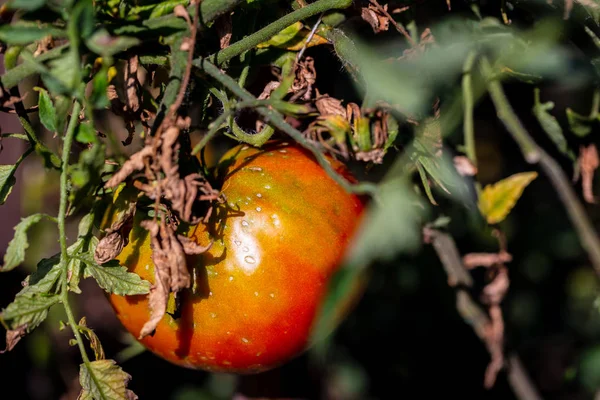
(170,271)
(13,336)
(191,247)
(135,163)
(327,105)
(464,166)
(375,17)
(473,260)
(588,163)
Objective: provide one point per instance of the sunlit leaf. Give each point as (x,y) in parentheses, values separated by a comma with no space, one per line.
(497,200)
(113,277)
(103,379)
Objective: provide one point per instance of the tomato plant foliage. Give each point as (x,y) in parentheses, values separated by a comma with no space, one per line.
(131,103)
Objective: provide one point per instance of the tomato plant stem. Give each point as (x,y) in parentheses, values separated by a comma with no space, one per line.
(275,118)
(62,213)
(534,154)
(273,28)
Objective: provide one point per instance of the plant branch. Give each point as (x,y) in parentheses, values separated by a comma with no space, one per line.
(468,105)
(535,154)
(276,119)
(62,211)
(472,313)
(272,29)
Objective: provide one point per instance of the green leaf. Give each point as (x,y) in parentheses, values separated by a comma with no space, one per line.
(550,124)
(166,7)
(30,310)
(103,379)
(86,133)
(65,74)
(44,279)
(15,253)
(7,181)
(47,110)
(579,124)
(23,33)
(26,5)
(497,200)
(283,36)
(113,277)
(101,42)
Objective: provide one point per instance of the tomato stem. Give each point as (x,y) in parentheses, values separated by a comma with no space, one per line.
(62,213)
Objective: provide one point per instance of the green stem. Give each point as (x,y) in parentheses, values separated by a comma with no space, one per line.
(468,101)
(272,29)
(216,125)
(535,154)
(275,119)
(62,211)
(507,114)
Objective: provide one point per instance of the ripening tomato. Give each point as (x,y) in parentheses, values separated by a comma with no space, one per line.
(278,239)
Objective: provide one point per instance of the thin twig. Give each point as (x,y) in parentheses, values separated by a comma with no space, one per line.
(473,314)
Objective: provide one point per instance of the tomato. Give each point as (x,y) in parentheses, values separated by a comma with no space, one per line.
(278,239)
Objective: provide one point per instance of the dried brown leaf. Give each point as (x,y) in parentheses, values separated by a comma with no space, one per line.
(135,163)
(132,84)
(464,166)
(190,247)
(170,271)
(327,105)
(494,292)
(13,337)
(473,260)
(374,16)
(224,30)
(588,163)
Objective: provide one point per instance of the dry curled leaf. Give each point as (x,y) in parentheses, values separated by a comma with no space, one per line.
(224,30)
(464,166)
(588,164)
(327,105)
(135,163)
(170,271)
(376,17)
(473,260)
(13,336)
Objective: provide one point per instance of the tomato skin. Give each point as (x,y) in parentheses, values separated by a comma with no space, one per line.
(277,240)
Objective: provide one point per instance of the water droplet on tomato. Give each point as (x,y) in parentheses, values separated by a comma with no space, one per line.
(249,259)
(267,186)
(258,195)
(258,209)
(245,249)
(283,151)
(245,340)
(244,223)
(255,169)
(230,278)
